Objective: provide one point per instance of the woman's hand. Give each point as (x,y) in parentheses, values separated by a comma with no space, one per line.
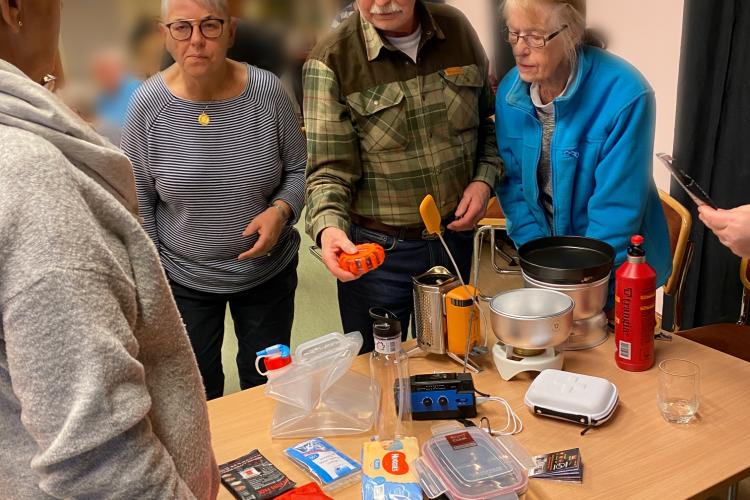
(732,227)
(268,225)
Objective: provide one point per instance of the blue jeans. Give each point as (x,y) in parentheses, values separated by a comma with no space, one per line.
(390,285)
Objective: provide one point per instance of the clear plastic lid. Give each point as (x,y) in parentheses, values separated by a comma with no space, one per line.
(469,464)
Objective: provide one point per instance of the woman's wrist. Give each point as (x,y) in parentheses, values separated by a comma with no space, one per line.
(282,208)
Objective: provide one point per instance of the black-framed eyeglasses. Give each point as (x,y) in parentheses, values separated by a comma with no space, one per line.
(533,41)
(183,29)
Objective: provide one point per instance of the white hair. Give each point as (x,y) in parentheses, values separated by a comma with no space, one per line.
(220,6)
(571,13)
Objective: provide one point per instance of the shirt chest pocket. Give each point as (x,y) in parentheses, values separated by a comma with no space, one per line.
(461,88)
(380,116)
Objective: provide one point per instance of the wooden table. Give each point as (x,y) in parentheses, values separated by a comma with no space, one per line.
(635,455)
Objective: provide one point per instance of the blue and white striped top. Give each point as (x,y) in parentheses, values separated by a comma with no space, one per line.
(200,186)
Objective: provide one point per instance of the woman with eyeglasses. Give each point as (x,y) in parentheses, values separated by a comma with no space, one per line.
(100,395)
(575,129)
(219,162)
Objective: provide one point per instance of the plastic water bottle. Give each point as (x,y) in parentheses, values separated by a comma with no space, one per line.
(389,370)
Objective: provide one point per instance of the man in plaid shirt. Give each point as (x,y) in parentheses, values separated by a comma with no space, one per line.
(397,105)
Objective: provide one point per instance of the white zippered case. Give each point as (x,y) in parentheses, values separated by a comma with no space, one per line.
(573,397)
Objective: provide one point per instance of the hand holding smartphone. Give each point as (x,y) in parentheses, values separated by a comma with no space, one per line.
(696,193)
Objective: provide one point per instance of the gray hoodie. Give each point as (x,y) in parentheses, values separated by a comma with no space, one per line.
(100,395)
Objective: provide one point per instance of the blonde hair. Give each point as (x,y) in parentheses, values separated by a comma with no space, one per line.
(564,12)
(221,6)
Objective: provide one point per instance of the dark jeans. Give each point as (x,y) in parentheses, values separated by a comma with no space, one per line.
(262,317)
(390,285)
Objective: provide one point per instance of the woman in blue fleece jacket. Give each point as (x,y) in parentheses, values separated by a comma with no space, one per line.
(575,128)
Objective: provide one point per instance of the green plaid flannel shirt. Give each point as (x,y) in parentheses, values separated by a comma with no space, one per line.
(383,132)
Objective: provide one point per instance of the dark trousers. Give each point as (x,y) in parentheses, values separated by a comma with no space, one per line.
(390,285)
(262,315)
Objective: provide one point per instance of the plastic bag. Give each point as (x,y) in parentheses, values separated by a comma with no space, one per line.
(318,395)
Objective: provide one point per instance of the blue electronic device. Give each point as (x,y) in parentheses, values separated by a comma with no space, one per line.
(438,396)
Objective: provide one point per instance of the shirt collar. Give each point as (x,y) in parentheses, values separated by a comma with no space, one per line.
(519,93)
(536,97)
(374,41)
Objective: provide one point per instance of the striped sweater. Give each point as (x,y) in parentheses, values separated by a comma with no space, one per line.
(200,186)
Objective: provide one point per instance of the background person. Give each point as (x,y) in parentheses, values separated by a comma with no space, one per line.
(114,87)
(219,163)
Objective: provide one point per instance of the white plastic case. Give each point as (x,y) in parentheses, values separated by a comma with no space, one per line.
(577,398)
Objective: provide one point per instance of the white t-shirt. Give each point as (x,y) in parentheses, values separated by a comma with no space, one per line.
(408,44)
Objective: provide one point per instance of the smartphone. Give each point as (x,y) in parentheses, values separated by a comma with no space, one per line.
(316,252)
(696,193)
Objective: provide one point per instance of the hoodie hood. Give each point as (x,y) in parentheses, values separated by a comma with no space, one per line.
(27,105)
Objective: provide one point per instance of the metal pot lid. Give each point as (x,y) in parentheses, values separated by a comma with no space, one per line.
(566,259)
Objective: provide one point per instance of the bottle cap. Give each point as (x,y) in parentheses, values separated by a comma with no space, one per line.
(385,324)
(635,250)
(274,350)
(276,362)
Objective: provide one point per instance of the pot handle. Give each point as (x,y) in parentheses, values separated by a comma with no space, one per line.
(478,239)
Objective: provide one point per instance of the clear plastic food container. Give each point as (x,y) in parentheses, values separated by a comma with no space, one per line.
(469,464)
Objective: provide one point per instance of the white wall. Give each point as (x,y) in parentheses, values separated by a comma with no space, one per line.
(647,33)
(482,15)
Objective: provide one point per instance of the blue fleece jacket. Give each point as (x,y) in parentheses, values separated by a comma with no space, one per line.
(601,160)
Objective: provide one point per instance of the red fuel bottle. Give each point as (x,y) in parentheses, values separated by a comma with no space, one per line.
(635,310)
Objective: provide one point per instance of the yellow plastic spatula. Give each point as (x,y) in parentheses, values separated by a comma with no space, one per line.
(430,214)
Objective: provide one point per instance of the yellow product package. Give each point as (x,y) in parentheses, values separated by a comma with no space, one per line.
(388,472)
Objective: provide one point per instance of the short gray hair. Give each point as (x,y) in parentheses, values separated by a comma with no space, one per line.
(215,5)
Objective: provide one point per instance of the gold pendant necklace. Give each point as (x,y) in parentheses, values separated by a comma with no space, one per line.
(203,118)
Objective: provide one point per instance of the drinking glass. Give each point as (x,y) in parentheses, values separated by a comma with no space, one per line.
(678,396)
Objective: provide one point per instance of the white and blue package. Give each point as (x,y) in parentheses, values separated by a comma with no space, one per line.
(324,463)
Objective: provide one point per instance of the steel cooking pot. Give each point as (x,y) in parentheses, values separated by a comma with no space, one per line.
(590,298)
(532,318)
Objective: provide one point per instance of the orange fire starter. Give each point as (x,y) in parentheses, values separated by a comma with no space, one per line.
(368,257)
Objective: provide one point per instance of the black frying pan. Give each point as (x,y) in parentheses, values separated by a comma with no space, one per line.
(566,260)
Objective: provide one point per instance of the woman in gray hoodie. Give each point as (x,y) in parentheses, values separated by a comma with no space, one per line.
(100,395)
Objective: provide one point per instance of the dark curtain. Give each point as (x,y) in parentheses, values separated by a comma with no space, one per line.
(712,144)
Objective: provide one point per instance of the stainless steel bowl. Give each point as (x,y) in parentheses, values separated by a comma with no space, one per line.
(532,318)
(590,298)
